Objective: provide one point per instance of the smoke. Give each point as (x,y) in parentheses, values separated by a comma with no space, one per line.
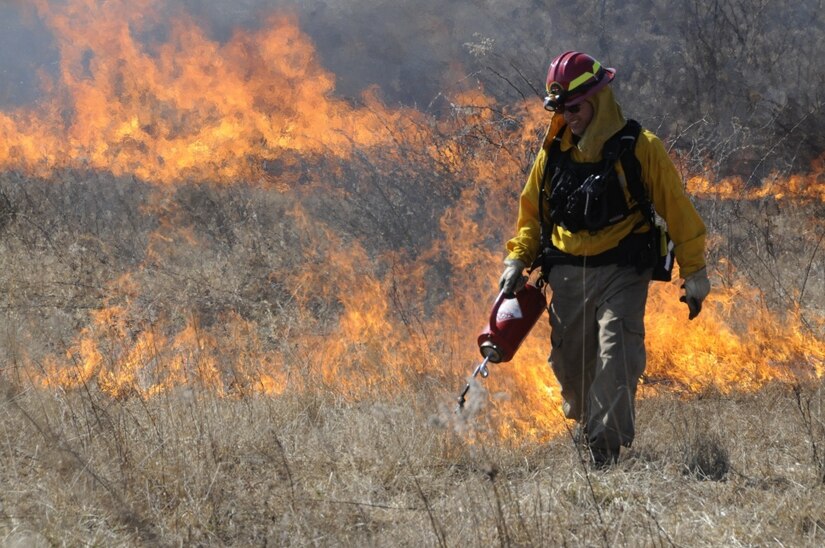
(412,51)
(26,48)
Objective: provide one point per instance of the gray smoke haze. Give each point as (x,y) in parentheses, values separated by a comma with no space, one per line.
(411,50)
(724,75)
(25,48)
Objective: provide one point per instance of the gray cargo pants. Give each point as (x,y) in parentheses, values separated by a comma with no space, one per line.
(598,348)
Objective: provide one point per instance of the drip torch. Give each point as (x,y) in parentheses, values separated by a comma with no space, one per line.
(511,319)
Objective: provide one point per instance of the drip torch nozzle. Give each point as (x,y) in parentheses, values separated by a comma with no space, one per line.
(481,369)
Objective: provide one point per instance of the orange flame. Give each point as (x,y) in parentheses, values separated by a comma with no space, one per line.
(806,187)
(188,108)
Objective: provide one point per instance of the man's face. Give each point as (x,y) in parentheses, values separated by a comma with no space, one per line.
(579,120)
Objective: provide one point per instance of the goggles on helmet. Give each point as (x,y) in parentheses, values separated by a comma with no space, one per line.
(555,98)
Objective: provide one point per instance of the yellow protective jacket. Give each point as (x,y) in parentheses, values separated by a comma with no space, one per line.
(660,179)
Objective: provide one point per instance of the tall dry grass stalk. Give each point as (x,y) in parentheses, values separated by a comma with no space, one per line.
(311,469)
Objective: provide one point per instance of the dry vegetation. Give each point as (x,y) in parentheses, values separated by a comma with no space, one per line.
(317,465)
(373,455)
(189,468)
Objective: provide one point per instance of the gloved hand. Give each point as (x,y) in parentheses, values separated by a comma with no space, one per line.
(697,287)
(511,279)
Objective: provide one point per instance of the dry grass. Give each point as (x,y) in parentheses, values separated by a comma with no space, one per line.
(311,469)
(319,466)
(329,466)
(384,462)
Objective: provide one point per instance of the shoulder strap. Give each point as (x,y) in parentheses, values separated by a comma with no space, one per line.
(551,160)
(622,146)
(553,156)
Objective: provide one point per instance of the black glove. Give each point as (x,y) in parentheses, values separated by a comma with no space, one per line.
(697,287)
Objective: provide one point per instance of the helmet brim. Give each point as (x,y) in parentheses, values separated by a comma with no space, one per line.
(610,73)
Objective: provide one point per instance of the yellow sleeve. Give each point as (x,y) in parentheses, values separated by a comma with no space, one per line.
(525,245)
(664,185)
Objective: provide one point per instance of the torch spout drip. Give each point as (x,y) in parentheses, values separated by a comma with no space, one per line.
(480,369)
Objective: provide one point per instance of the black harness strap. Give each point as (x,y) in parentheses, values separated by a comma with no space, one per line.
(551,160)
(628,136)
(620,147)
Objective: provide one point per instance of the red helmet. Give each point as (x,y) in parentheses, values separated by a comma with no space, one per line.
(573,77)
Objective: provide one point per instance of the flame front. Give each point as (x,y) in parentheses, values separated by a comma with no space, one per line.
(359,323)
(185,108)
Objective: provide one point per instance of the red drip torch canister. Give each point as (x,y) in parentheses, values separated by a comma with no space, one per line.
(511,319)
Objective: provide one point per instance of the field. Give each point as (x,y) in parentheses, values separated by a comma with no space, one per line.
(238,307)
(189,468)
(185,405)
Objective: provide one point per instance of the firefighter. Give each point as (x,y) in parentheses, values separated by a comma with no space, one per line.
(595,237)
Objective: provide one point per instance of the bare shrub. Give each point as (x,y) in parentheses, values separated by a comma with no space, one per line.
(705,457)
(809,405)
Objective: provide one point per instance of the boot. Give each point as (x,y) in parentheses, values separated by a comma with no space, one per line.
(603,457)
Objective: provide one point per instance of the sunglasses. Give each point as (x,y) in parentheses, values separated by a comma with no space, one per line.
(554,106)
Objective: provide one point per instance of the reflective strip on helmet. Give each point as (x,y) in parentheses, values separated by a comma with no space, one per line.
(585,77)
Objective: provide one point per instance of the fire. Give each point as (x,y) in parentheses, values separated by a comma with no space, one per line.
(776,186)
(125,360)
(186,108)
(353,320)
(713,351)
